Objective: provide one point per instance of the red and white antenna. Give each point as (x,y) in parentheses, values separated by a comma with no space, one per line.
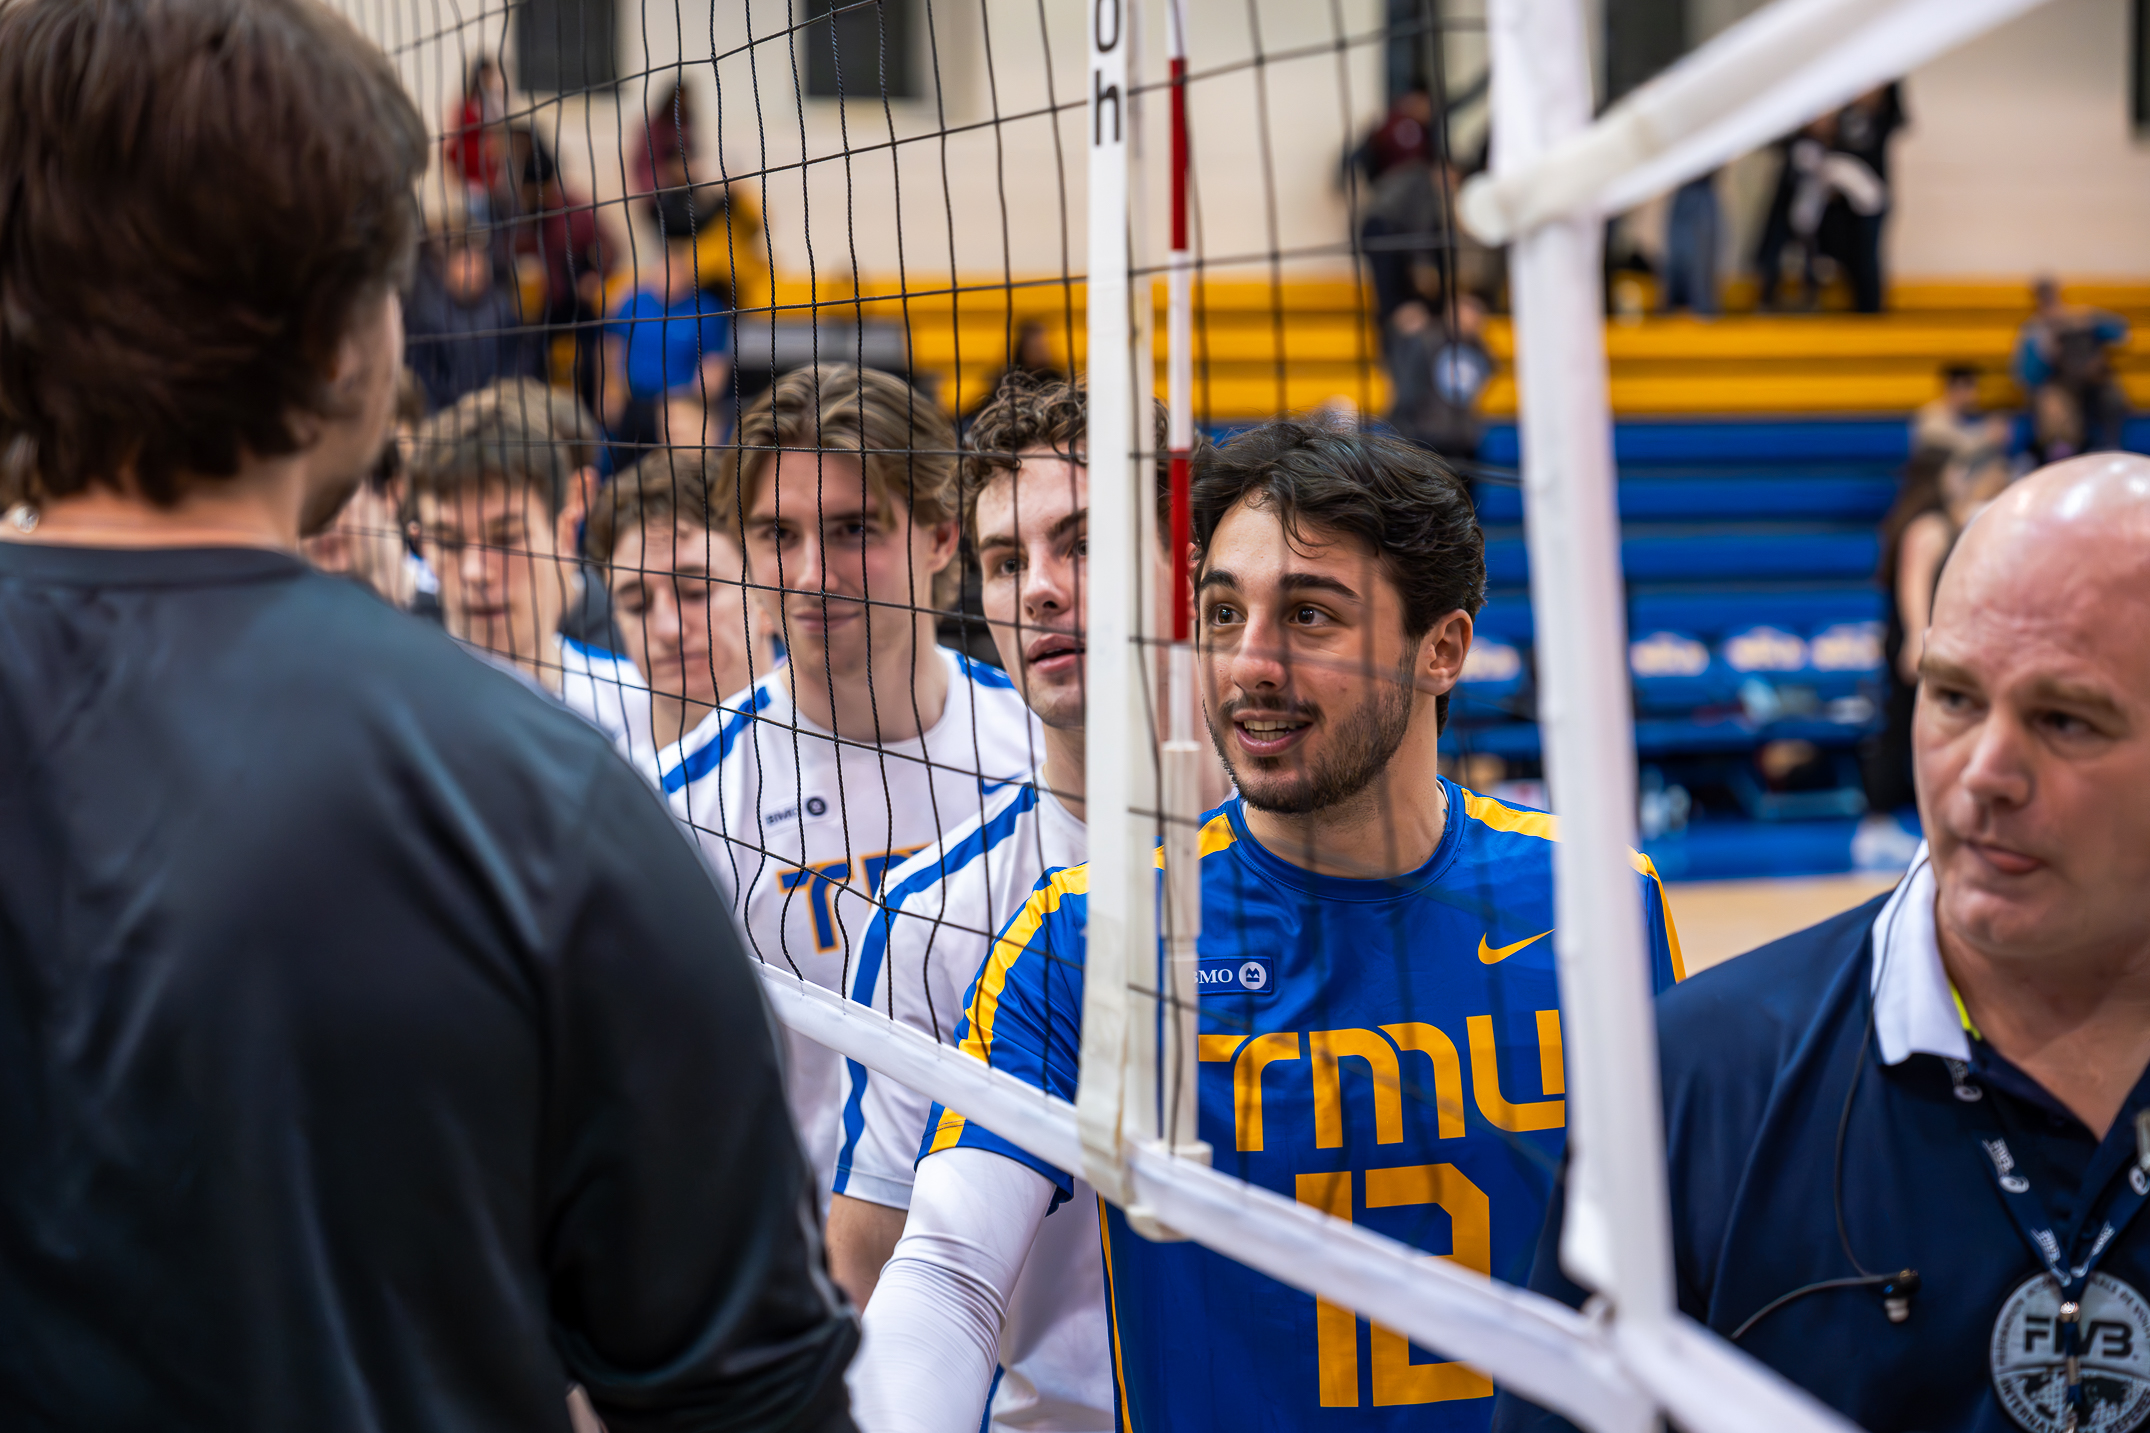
(1179,340)
(1184,756)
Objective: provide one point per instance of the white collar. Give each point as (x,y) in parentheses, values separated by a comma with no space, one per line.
(1914,1005)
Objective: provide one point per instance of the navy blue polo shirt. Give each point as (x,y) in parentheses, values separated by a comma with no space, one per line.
(1757,1055)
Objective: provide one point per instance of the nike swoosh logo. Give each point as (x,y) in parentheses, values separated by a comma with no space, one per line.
(1494,954)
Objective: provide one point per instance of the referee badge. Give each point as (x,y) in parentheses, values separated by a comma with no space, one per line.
(2030,1370)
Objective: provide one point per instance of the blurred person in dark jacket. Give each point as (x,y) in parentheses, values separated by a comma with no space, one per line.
(463,327)
(1954,422)
(2064,361)
(1438,367)
(1851,230)
(1404,136)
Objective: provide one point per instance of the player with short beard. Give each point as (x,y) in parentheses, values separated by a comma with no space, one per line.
(1368,926)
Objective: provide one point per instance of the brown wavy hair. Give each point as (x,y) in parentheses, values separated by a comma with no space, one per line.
(1028,412)
(197,198)
(902,439)
(668,487)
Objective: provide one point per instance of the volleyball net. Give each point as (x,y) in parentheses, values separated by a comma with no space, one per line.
(664,241)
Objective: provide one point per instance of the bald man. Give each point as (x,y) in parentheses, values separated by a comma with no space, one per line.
(1909,1147)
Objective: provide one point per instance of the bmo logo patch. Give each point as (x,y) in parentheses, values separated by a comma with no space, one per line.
(1241,975)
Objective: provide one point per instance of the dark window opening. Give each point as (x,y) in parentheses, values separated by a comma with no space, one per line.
(562,46)
(1642,37)
(859,49)
(2139,68)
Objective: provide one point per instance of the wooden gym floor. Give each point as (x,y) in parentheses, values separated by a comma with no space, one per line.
(1720,919)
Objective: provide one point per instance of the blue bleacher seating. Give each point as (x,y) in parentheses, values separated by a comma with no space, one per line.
(1706,552)
(1722,441)
(1749,551)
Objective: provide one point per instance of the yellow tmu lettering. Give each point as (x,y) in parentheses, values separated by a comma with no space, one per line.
(1255,1056)
(1447,1070)
(1486,1082)
(1552,1073)
(1397,1380)
(1325,1048)
(1336,1328)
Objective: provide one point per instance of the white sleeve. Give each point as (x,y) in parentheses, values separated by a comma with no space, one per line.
(932,1330)
(926,967)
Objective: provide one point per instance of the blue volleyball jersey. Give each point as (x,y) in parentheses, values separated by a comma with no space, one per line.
(1388,1051)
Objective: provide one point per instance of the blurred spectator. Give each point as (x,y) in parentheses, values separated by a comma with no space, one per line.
(1405,136)
(2064,363)
(1032,358)
(731,251)
(463,327)
(1406,234)
(1952,423)
(367,542)
(557,234)
(1941,492)
(663,141)
(560,228)
(1691,243)
(475,146)
(1439,371)
(668,341)
(1852,234)
(2056,426)
(1815,174)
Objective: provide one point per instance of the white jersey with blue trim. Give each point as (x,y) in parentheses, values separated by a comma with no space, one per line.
(801,827)
(605,689)
(941,910)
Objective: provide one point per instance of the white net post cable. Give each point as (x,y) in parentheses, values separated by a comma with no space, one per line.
(1119,780)
(1761,78)
(1618,1237)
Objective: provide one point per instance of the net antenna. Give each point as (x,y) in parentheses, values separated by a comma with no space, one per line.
(1182,755)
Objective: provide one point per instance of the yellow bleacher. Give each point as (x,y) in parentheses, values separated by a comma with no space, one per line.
(1264,348)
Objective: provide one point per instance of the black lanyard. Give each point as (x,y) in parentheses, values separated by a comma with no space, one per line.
(2038,1228)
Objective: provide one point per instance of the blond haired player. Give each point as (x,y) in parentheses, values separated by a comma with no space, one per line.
(872,740)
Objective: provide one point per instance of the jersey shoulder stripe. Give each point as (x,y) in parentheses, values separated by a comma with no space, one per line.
(982,673)
(1216,835)
(1497,816)
(1522,821)
(1053,889)
(917,877)
(593,656)
(977,835)
(707,757)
